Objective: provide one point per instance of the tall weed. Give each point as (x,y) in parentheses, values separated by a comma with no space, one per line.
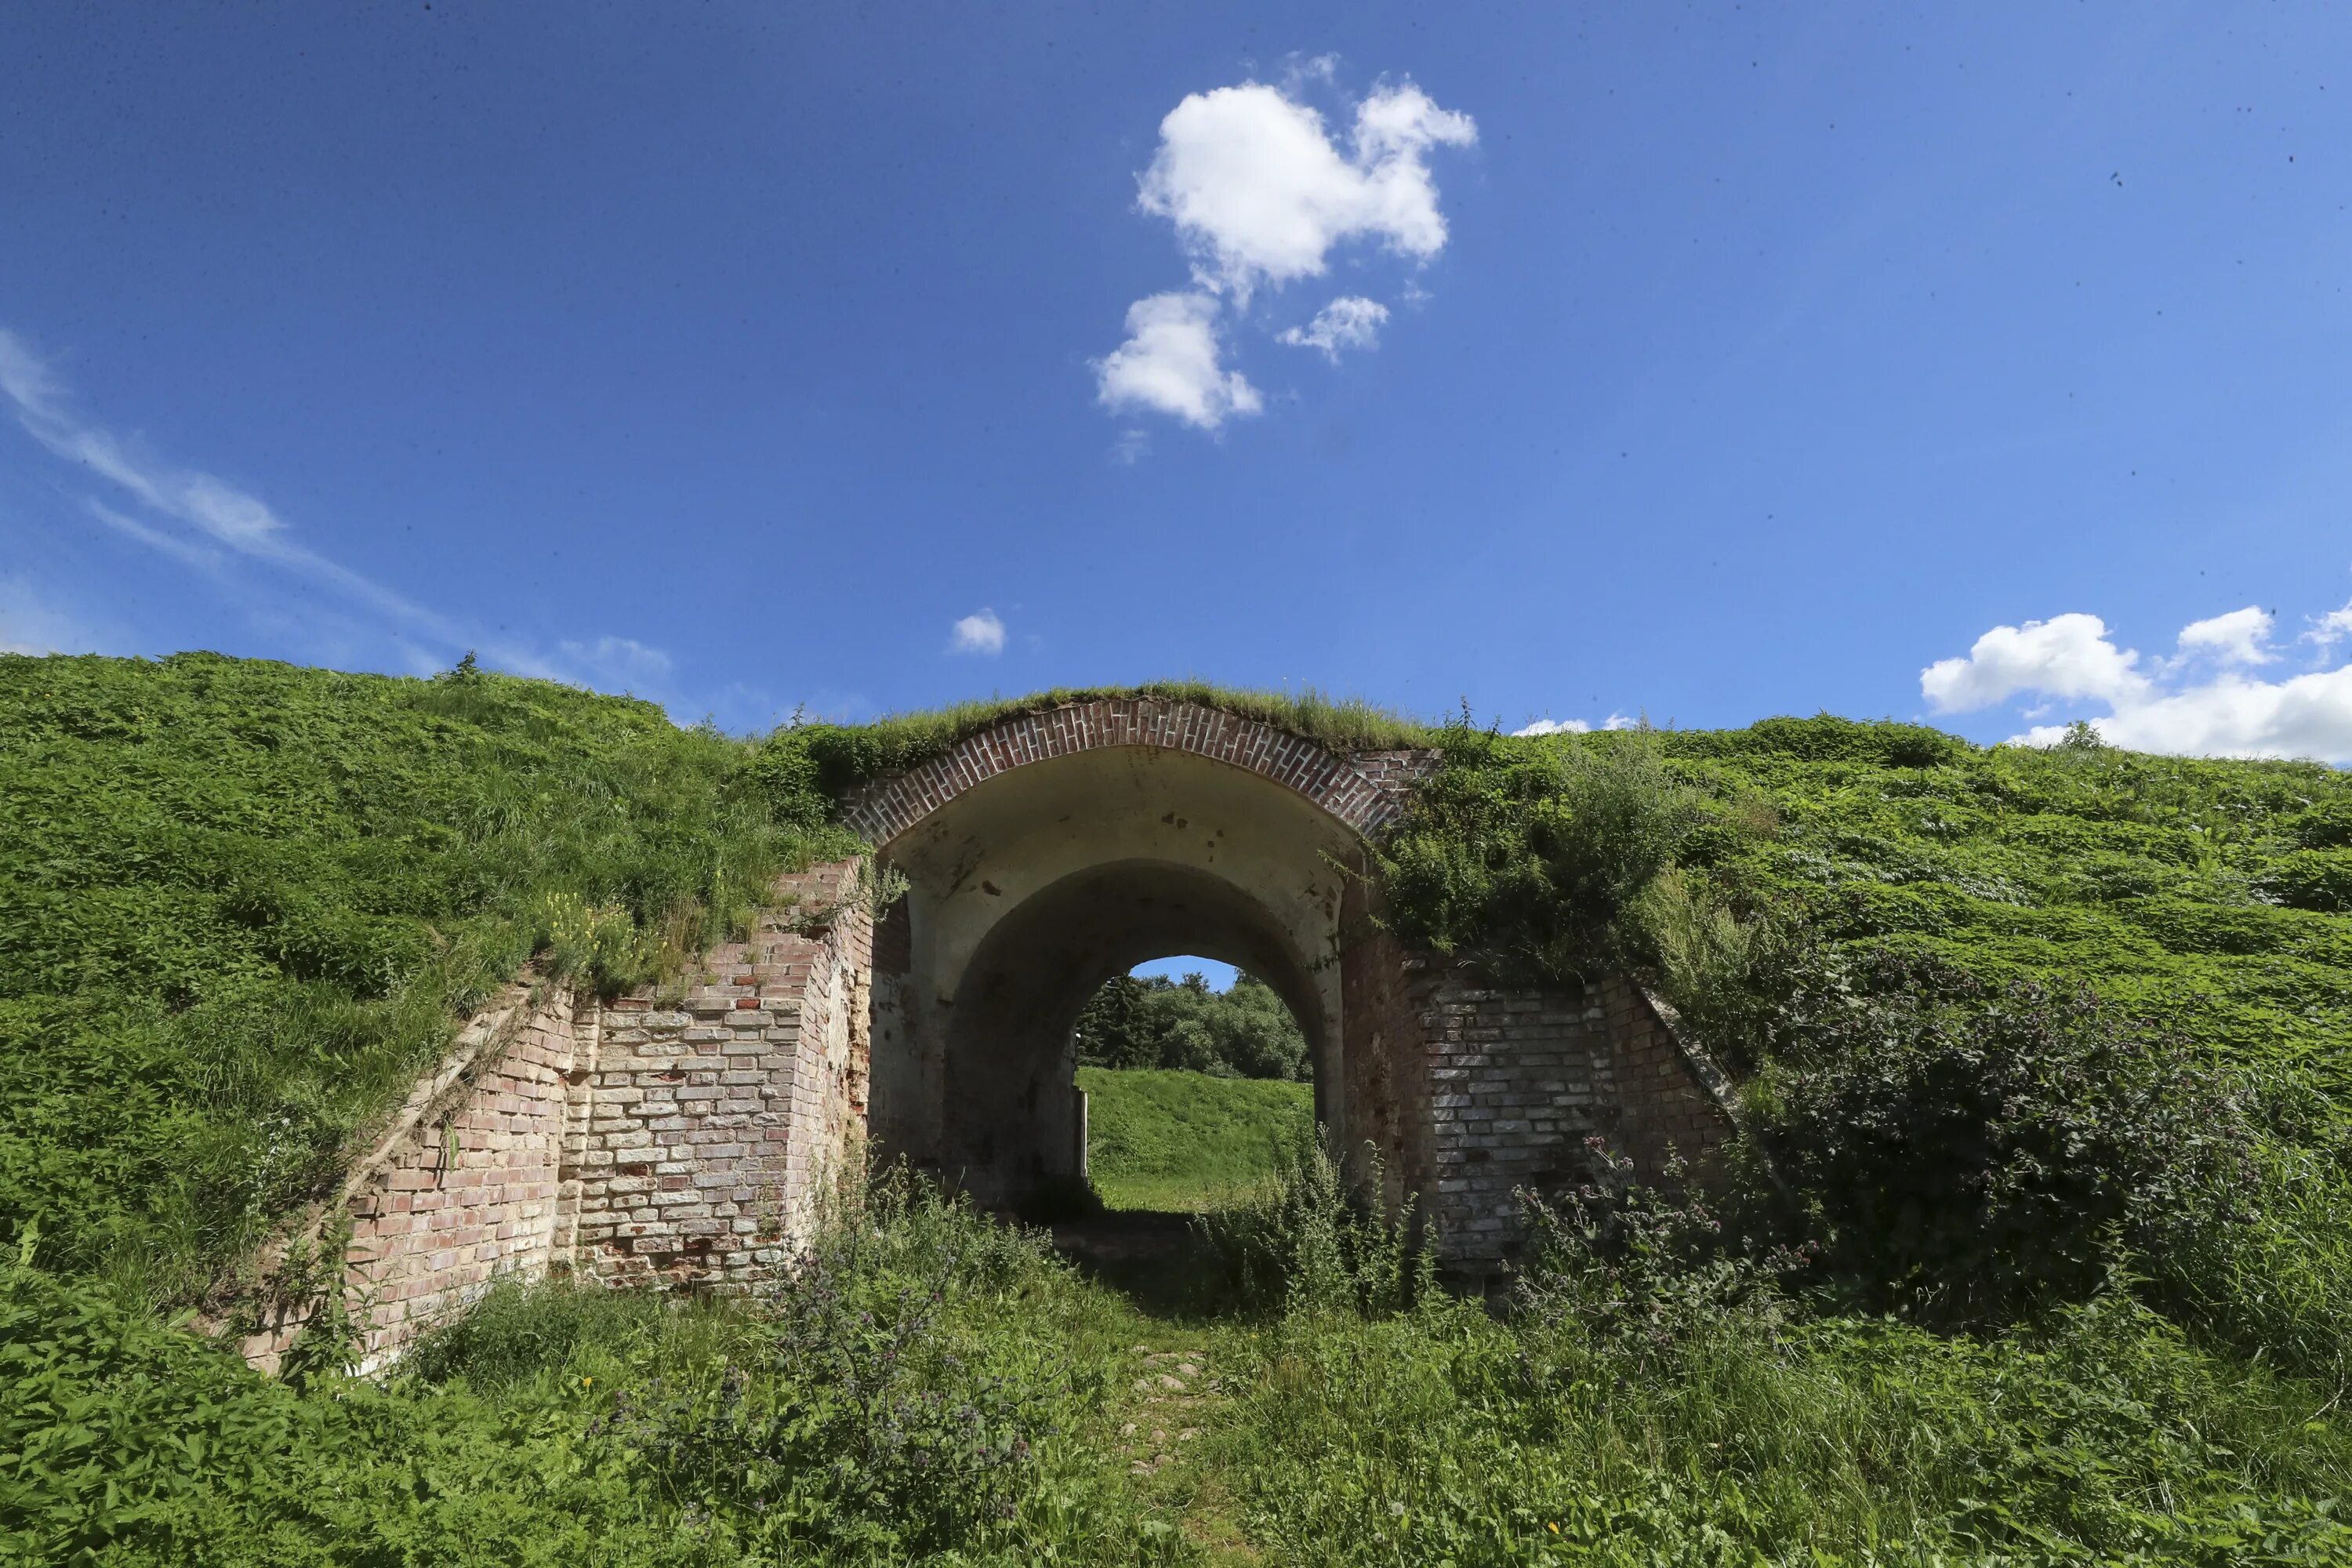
(1318,1238)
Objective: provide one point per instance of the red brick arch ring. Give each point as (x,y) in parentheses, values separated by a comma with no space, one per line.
(1366,791)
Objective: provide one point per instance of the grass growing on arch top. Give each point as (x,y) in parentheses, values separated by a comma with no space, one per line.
(824,760)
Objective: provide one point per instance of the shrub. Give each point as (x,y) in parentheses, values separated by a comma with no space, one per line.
(1530,858)
(1975,1151)
(1643,1268)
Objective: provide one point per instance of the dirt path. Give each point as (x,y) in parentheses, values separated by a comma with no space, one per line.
(1176,1379)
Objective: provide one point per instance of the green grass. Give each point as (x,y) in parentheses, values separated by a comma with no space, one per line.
(1964,988)
(934,1387)
(1184,1142)
(240,904)
(243,904)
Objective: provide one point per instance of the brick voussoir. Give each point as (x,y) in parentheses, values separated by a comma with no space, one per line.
(1363,794)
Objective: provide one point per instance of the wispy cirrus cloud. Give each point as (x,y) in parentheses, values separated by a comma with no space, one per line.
(204,522)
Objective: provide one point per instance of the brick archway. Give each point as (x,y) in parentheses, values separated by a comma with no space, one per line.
(1365,791)
(1055,848)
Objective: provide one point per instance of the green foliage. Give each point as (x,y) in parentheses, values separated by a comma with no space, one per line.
(1317,1239)
(1975,1151)
(1246,1031)
(858,1424)
(1753,1435)
(515,1332)
(1531,859)
(1185,1140)
(891,1403)
(1994,1006)
(241,904)
(1655,1396)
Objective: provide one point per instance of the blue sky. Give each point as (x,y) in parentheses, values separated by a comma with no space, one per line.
(1985,364)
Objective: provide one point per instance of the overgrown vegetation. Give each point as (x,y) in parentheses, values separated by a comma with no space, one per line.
(1659,1410)
(2008,1018)
(1179,1140)
(241,904)
(2047,1051)
(929,1386)
(1244,1031)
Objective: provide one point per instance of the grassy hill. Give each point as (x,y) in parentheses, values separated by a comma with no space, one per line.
(241,904)
(2008,1020)
(1178,1141)
(2035,1252)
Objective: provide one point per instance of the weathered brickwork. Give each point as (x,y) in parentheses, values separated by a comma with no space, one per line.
(1385,989)
(462,1189)
(1521,1079)
(1672,1098)
(1366,793)
(1518,1081)
(673,1140)
(682,1137)
(711,1121)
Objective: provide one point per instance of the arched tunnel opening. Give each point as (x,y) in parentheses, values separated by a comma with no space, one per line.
(1013,1128)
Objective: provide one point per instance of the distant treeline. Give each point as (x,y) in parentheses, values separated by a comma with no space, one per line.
(1245,1032)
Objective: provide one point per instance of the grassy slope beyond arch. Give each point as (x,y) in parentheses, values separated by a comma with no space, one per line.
(1176,1141)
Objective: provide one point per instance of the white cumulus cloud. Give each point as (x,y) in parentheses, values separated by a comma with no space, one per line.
(1169,364)
(2229,712)
(981,632)
(2066,656)
(1575,726)
(2242,636)
(1260,193)
(1350,322)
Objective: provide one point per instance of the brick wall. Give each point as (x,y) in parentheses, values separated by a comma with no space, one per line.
(1519,1078)
(1385,1007)
(1672,1098)
(1474,1091)
(712,1117)
(461,1190)
(682,1137)
(662,1139)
